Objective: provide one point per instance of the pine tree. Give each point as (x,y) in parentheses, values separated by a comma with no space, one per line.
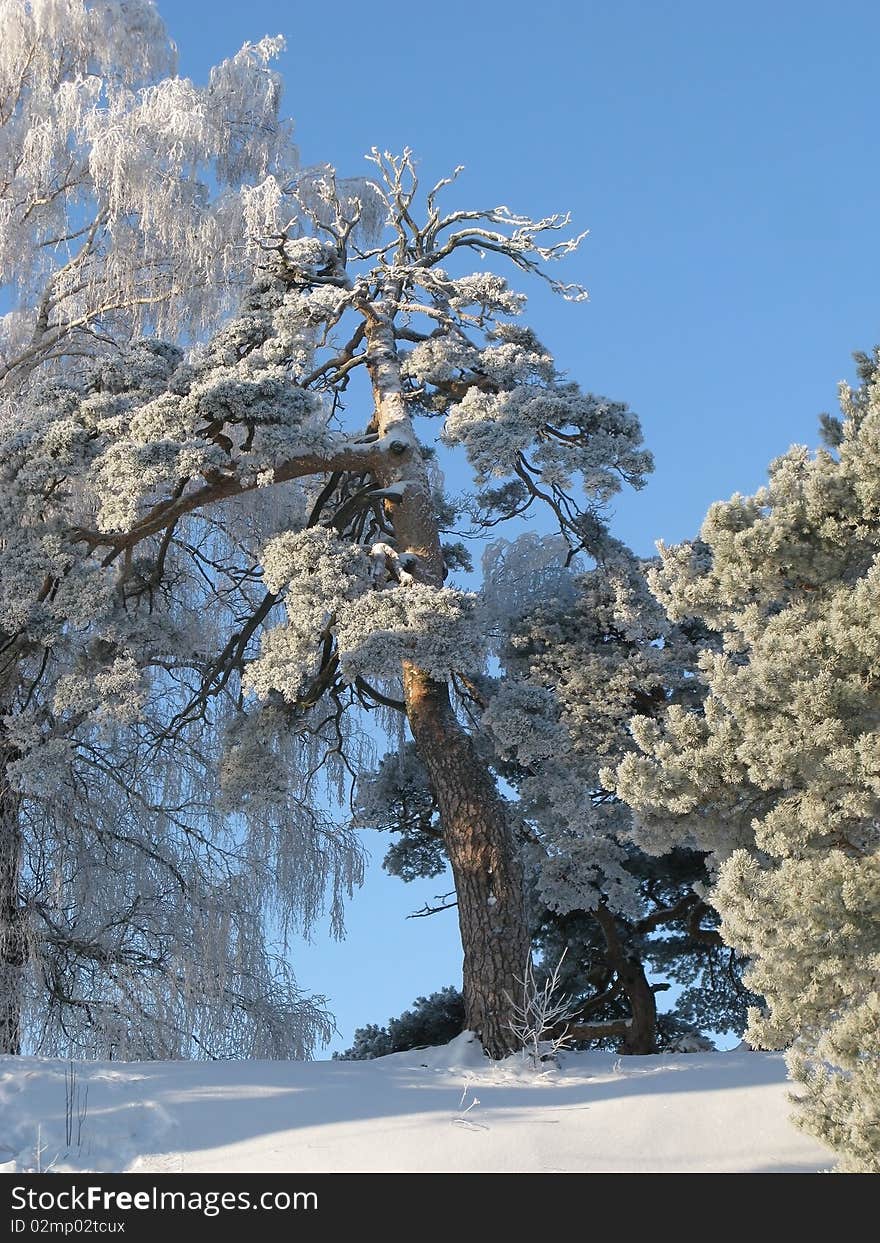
(778,773)
(333,521)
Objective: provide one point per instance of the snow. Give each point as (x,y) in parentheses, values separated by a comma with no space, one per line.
(439,1109)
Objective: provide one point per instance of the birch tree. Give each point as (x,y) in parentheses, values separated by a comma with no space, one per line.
(129,196)
(132,917)
(139,898)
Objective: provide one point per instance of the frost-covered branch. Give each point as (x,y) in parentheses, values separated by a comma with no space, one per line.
(133,199)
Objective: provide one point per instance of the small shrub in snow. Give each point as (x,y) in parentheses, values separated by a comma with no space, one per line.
(689,1042)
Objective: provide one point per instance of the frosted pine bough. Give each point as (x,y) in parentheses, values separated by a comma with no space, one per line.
(331,590)
(180,470)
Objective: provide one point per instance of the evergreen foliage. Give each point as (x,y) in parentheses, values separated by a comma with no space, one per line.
(777,773)
(433,1020)
(579,653)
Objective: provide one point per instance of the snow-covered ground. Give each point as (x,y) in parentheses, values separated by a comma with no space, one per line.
(446,1109)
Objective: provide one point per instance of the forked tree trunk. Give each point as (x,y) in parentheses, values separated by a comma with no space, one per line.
(12,938)
(640,1031)
(641,1034)
(482,853)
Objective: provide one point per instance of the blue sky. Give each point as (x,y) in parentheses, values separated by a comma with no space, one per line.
(723,158)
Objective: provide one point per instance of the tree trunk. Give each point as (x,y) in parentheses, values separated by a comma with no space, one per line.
(640,1032)
(484,861)
(13,942)
(482,853)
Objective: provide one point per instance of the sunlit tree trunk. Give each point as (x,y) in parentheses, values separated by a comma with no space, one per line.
(484,861)
(479,842)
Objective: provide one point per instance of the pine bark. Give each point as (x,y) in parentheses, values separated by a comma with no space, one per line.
(484,860)
(13,942)
(479,841)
